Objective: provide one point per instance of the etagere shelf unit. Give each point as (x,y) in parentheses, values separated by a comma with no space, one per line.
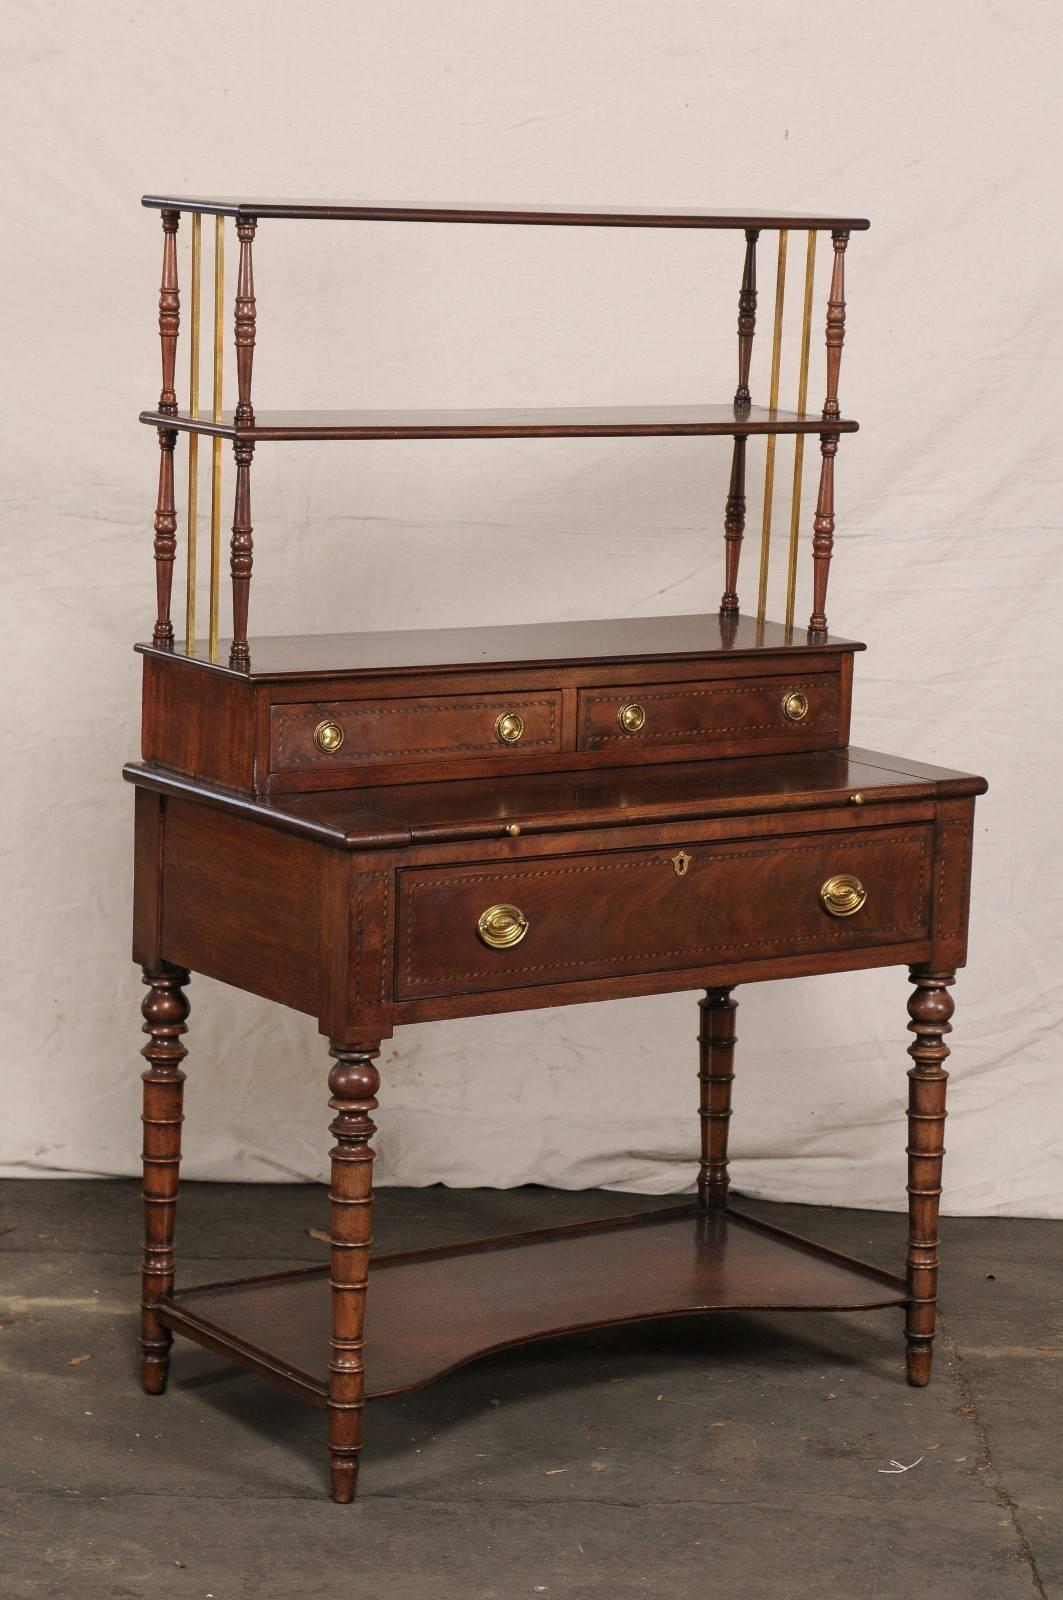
(390,828)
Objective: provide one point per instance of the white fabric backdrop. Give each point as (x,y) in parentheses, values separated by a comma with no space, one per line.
(941,122)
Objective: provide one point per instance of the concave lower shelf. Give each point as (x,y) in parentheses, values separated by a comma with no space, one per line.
(551,422)
(488,1294)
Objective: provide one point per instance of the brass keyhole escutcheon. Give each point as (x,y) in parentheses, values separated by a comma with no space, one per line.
(328,736)
(795,706)
(632,717)
(843,895)
(681,864)
(501,927)
(509,727)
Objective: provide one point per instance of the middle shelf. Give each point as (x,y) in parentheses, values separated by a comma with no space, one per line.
(553,422)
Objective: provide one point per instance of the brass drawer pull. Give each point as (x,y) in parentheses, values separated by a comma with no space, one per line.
(509,727)
(328,736)
(501,927)
(632,717)
(843,895)
(795,706)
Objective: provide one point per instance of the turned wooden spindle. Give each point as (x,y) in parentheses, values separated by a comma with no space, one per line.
(245,320)
(930,1008)
(835,323)
(823,525)
(734,525)
(165,506)
(822,537)
(165,539)
(165,1011)
(241,558)
(353,1083)
(747,318)
(716,1041)
(169,312)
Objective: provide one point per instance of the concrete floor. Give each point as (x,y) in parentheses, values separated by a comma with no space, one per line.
(737,1456)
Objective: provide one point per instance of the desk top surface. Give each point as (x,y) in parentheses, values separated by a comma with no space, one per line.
(485,808)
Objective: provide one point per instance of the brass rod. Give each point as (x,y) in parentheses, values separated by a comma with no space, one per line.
(193,444)
(773,401)
(215,455)
(799,439)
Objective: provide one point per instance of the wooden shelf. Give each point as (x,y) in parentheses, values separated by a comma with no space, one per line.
(575,422)
(695,635)
(489,1294)
(556,216)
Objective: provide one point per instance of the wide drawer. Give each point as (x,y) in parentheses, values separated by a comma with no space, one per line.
(356,732)
(751,712)
(470,928)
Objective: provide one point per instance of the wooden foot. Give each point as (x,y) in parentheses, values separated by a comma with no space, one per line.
(353,1082)
(930,1008)
(716,1040)
(165,1011)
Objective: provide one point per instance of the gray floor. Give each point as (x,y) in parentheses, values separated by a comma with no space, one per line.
(737,1456)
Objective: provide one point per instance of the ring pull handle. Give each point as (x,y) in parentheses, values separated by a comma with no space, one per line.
(500,927)
(843,895)
(795,706)
(509,727)
(328,736)
(632,717)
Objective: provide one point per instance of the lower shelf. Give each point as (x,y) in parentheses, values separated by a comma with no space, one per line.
(429,1311)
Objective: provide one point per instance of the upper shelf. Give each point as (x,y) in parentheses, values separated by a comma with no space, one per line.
(572,422)
(559,216)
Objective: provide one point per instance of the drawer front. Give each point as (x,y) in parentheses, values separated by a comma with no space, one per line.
(357,732)
(751,712)
(466,929)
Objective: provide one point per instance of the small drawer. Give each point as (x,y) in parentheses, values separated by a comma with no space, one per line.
(546,921)
(745,713)
(353,733)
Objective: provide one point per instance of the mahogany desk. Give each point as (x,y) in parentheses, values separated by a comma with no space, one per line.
(387,829)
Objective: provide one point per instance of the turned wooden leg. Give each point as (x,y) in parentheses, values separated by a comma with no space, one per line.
(165,1011)
(353,1082)
(930,1008)
(716,1040)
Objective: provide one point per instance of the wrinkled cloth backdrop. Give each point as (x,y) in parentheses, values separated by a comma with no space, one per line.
(942,123)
